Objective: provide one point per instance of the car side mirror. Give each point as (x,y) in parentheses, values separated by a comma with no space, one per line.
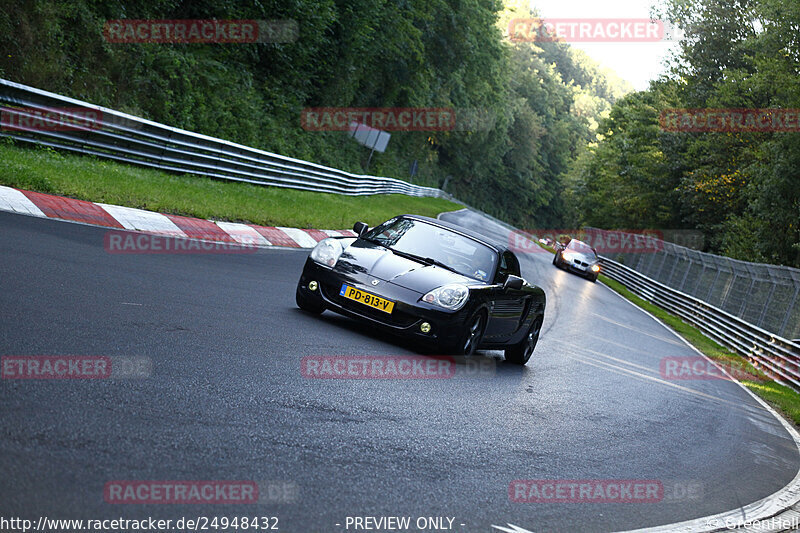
(360,228)
(513,282)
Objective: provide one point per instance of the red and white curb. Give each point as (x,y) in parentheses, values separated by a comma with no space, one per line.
(118,217)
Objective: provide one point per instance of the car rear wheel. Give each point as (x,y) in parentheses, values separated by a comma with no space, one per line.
(521,352)
(312,305)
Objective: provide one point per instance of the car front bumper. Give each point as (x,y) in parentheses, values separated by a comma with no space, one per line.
(583,270)
(404,320)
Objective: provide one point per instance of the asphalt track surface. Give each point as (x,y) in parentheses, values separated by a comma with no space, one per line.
(226,400)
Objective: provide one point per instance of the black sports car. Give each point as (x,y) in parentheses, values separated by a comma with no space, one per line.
(578,257)
(426,279)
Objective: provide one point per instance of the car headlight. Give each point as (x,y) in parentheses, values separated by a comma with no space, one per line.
(595,268)
(452,296)
(327,252)
(567,256)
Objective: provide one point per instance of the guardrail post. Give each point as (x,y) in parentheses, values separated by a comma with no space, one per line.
(660,268)
(699,280)
(728,292)
(789,311)
(686,274)
(744,300)
(668,281)
(711,287)
(766,305)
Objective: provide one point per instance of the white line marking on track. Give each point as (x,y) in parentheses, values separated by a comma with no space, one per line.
(637,330)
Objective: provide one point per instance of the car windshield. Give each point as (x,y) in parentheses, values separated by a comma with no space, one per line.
(581,248)
(462,254)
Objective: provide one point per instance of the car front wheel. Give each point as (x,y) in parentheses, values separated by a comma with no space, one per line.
(521,352)
(471,338)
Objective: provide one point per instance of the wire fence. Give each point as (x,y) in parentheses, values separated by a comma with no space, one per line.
(767,296)
(772,354)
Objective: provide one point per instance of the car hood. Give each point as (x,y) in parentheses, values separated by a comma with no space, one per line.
(369,260)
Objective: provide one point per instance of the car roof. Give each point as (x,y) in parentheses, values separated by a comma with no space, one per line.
(480,237)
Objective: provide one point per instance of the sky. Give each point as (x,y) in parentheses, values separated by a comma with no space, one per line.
(636,62)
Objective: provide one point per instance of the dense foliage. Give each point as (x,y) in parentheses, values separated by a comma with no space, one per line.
(741,189)
(543,101)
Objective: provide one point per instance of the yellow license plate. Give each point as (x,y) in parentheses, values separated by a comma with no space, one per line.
(376,302)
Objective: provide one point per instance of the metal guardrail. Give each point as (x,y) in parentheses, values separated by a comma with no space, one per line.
(774,355)
(761,294)
(130,139)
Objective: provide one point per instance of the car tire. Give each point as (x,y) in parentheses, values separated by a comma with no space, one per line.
(520,353)
(311,305)
(469,341)
(556,261)
(593,278)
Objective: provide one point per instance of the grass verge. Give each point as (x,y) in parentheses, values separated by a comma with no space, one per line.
(88,178)
(783,399)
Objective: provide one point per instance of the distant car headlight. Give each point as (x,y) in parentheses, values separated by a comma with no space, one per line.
(327,252)
(595,268)
(452,296)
